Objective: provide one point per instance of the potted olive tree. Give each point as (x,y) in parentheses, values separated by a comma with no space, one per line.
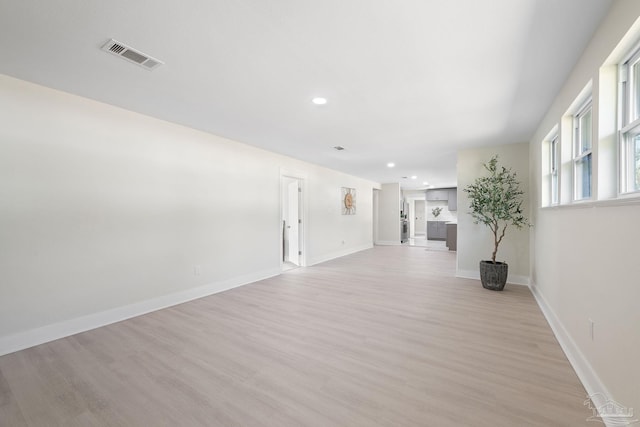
(496,201)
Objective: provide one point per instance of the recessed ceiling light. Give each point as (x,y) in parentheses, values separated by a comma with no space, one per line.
(319,101)
(413,177)
(425,183)
(391,164)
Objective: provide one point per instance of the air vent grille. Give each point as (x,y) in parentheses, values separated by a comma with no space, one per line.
(132,55)
(116,48)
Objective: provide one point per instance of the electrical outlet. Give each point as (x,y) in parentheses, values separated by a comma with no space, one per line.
(197,270)
(591,327)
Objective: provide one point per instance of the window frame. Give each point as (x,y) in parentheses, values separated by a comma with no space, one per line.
(554,167)
(580,153)
(629,107)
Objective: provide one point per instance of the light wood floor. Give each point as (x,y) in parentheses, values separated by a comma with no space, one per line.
(385,337)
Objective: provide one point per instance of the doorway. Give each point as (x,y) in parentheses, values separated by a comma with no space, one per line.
(420,216)
(417,220)
(376,205)
(291,223)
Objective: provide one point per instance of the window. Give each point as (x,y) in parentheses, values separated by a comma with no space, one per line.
(551,161)
(554,164)
(630,124)
(582,156)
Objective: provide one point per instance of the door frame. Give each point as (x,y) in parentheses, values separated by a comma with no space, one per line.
(412,208)
(291,211)
(301,177)
(424,214)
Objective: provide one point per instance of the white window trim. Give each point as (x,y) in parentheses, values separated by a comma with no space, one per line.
(578,154)
(628,128)
(554,169)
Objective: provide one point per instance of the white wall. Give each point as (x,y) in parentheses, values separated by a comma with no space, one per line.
(585,258)
(107,213)
(389,215)
(475,241)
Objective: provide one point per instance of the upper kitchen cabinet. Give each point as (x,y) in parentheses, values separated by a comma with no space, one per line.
(453,199)
(449,195)
(439,194)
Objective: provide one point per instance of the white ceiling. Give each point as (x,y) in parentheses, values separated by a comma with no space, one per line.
(408,81)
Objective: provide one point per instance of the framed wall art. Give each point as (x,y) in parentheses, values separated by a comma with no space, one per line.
(348,201)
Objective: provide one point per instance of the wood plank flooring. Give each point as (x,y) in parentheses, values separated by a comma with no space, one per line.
(384,337)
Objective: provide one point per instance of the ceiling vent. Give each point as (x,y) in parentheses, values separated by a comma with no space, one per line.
(131,54)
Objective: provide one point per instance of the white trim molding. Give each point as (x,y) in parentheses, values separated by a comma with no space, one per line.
(513,279)
(65,328)
(587,375)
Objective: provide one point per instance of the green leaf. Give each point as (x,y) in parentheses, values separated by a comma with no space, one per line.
(496,201)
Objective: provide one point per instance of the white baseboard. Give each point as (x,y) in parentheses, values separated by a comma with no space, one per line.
(33,337)
(41,335)
(589,378)
(388,243)
(338,254)
(513,279)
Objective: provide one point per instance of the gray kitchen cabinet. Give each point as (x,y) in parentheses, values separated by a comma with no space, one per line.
(452,236)
(440,194)
(453,199)
(431,229)
(436,230)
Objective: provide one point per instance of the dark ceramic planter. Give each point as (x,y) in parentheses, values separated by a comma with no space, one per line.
(493,276)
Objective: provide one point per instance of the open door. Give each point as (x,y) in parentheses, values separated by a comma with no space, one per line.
(291,222)
(293,226)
